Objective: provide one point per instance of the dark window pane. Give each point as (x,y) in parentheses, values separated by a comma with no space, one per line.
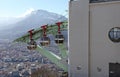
(114,34)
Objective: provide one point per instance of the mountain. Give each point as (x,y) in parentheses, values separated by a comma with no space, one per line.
(6,21)
(37,19)
(31,21)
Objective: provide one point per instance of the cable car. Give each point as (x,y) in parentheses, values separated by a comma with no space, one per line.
(45,41)
(59,38)
(32,45)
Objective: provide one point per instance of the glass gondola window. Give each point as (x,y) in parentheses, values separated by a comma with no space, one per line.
(114,34)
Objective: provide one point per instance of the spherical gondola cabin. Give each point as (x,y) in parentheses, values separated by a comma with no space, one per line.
(32,45)
(59,39)
(45,41)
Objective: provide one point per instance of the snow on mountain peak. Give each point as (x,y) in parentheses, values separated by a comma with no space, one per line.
(27,12)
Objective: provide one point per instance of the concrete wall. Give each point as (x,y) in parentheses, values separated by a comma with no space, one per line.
(103,17)
(90,48)
(78,38)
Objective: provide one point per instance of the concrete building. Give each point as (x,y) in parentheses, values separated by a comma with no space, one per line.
(94,39)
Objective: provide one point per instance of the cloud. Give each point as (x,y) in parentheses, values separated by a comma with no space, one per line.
(28,11)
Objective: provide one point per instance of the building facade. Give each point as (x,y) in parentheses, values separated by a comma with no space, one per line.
(94,39)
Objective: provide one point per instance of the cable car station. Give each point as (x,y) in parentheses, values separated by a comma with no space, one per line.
(93,39)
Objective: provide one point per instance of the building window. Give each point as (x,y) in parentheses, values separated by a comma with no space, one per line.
(114,34)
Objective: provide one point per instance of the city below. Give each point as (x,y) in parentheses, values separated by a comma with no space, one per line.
(17,61)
